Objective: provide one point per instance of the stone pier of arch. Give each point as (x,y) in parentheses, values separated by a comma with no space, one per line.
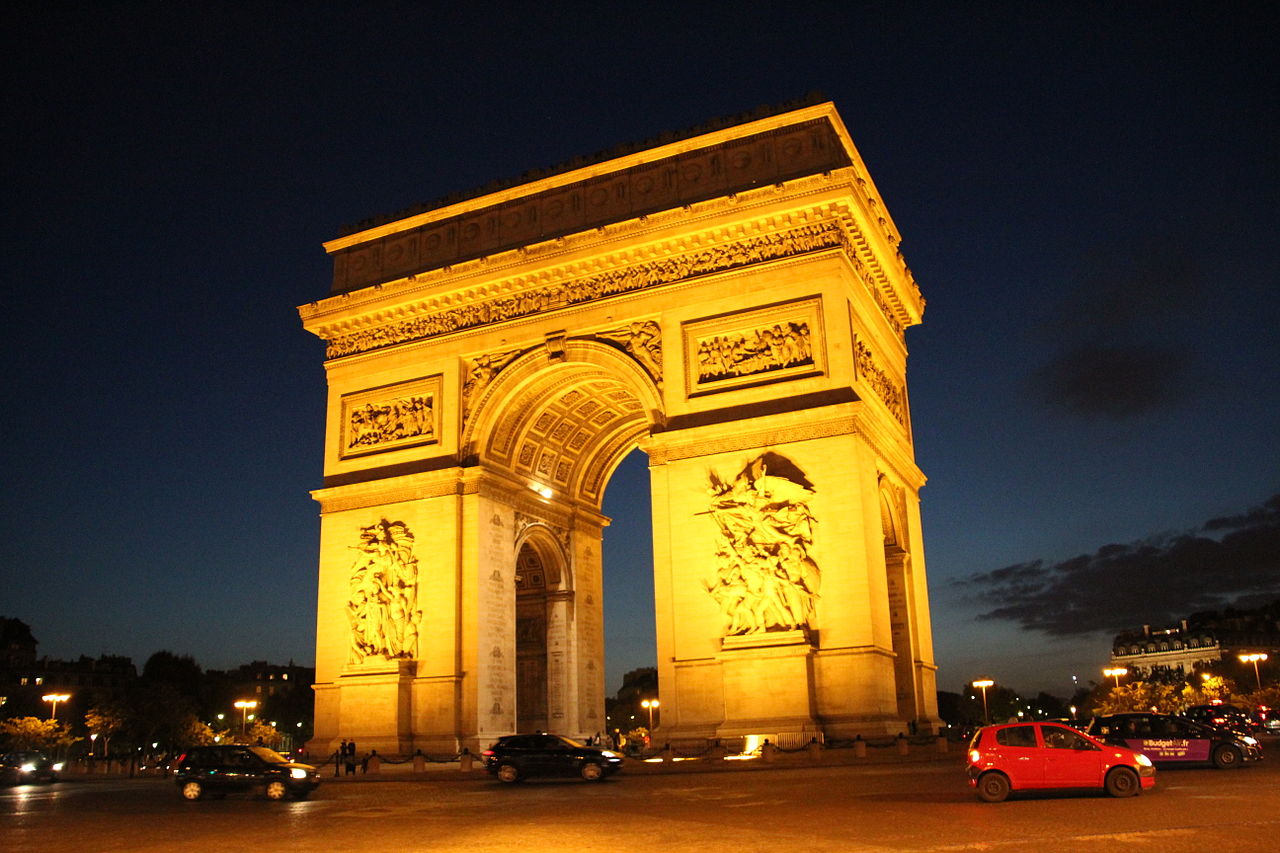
(735,304)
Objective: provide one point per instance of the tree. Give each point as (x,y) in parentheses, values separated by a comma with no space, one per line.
(35,733)
(105,720)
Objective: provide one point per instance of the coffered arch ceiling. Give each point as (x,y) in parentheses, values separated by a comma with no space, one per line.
(563,426)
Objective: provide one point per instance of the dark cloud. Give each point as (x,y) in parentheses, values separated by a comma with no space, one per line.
(1151,582)
(1111,381)
(1107,343)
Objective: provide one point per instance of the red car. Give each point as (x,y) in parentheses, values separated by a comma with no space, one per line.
(1042,756)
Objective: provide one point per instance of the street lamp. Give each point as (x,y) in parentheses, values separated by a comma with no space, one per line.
(649,705)
(983,685)
(245,705)
(1253,658)
(1115,673)
(55,698)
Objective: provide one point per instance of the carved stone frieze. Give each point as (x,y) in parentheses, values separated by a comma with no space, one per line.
(765,581)
(402,415)
(747,347)
(382,608)
(637,276)
(890,392)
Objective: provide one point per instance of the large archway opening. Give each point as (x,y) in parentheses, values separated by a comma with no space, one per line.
(630,641)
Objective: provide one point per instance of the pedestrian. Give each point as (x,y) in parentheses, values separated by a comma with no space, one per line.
(351,758)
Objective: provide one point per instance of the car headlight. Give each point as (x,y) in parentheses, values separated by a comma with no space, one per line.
(297,773)
(28,768)
(1143,760)
(57,768)
(608,753)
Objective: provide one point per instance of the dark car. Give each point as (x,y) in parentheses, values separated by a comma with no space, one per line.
(24,766)
(516,757)
(1223,716)
(219,770)
(1170,740)
(1043,756)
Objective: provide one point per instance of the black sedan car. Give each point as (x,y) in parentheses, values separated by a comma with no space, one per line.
(26,766)
(517,757)
(1169,740)
(219,770)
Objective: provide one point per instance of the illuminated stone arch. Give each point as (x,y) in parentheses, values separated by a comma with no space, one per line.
(735,304)
(565,424)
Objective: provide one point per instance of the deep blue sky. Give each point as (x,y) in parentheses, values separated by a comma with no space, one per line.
(1087,196)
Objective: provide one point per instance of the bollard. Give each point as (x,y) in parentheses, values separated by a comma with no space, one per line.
(768,751)
(373,763)
(815,750)
(903,747)
(667,754)
(942,743)
(464,760)
(859,748)
(717,751)
(419,762)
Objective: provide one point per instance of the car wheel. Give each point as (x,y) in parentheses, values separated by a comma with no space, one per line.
(192,791)
(508,773)
(276,790)
(1123,782)
(993,787)
(1226,756)
(592,772)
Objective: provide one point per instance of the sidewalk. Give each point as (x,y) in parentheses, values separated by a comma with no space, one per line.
(874,754)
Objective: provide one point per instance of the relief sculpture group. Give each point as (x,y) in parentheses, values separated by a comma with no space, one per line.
(383,607)
(765,579)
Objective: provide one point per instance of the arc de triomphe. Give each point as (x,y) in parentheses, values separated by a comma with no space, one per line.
(734,304)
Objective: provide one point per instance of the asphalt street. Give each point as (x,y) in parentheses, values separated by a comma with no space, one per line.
(883,806)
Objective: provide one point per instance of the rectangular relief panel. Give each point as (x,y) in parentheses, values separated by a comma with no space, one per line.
(392,417)
(768,344)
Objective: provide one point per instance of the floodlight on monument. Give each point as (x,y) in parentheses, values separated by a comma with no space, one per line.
(54,699)
(983,684)
(1253,658)
(1115,673)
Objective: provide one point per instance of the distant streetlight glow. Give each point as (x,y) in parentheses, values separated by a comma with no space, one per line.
(1253,658)
(1115,673)
(650,704)
(983,685)
(245,705)
(55,698)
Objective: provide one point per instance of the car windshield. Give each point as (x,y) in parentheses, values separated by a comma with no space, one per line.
(268,755)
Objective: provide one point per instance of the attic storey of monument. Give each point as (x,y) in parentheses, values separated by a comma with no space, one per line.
(734,303)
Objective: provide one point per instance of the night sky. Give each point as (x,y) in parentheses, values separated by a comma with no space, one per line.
(1087,197)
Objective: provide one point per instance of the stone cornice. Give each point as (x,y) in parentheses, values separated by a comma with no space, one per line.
(419,307)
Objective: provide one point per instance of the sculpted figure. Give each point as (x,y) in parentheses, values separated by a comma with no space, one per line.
(643,340)
(383,605)
(765,579)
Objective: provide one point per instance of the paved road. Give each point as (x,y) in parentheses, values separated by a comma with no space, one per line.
(885,807)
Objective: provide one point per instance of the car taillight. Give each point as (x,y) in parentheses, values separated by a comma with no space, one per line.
(487,752)
(974,756)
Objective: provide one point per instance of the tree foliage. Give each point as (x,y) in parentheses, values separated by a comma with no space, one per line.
(35,733)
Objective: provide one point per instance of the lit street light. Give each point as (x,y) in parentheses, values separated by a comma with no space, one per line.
(983,685)
(650,704)
(245,705)
(1253,658)
(1115,673)
(55,698)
